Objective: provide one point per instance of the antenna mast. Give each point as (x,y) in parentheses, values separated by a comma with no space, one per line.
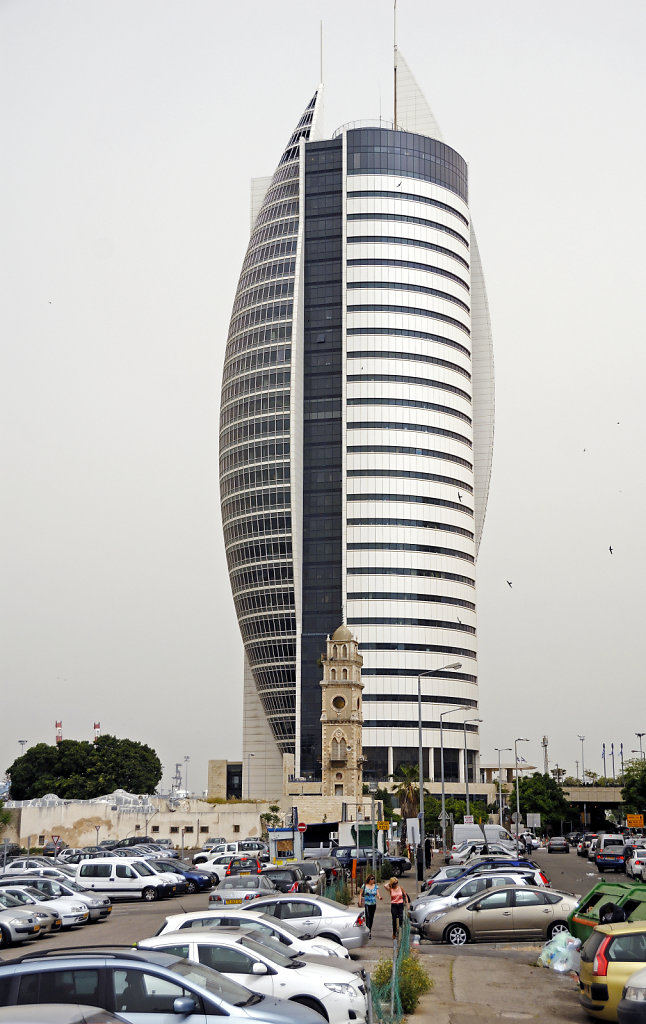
(321,51)
(395,63)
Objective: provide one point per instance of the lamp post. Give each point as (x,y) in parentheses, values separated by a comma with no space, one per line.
(23,744)
(501,750)
(585,809)
(466,758)
(372,787)
(459,707)
(520,739)
(187,758)
(639,735)
(422,838)
(249,756)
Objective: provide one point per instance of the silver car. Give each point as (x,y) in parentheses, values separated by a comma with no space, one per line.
(17,925)
(98,906)
(71,912)
(48,920)
(312,916)
(460,890)
(240,889)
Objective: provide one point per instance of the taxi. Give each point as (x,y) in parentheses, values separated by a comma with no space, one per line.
(608,958)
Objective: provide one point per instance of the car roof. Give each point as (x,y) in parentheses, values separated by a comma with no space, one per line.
(56,1013)
(97,953)
(230,935)
(622,928)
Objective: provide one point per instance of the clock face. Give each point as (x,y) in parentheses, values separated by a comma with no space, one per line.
(338,702)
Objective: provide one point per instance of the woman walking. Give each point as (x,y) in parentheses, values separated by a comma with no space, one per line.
(398,897)
(368,896)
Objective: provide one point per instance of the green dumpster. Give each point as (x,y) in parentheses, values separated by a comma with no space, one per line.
(630,896)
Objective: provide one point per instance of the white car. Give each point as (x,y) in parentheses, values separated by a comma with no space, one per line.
(263,923)
(636,863)
(70,910)
(216,866)
(264,968)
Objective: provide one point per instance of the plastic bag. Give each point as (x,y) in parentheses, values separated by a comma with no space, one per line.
(561,953)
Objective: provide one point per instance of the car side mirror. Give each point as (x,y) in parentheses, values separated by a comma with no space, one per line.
(184,1004)
(259,968)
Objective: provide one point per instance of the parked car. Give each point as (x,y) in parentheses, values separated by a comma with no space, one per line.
(632,1006)
(202,856)
(122,878)
(608,958)
(17,925)
(264,968)
(264,924)
(363,856)
(216,866)
(330,865)
(519,912)
(239,890)
(142,985)
(212,841)
(312,916)
(196,880)
(48,920)
(558,844)
(18,864)
(468,851)
(52,849)
(425,906)
(243,865)
(57,1013)
(635,863)
(71,911)
(287,878)
(98,907)
(314,875)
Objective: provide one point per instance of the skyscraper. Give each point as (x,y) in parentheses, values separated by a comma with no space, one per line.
(356,440)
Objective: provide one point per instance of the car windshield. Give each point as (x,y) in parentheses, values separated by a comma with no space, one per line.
(241,882)
(268,948)
(142,868)
(8,901)
(215,983)
(30,895)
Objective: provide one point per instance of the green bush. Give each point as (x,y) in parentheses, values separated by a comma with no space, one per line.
(344,894)
(386,871)
(413,981)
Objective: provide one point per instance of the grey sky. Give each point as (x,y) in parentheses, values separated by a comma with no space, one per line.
(130,132)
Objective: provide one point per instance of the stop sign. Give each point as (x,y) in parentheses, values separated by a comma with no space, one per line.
(302,827)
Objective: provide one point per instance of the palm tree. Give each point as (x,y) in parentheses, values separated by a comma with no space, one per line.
(407,793)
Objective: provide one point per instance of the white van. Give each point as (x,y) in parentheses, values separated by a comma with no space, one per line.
(122,878)
(498,834)
(483,834)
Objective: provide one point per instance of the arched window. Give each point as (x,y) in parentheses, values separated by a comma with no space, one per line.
(345,673)
(332,673)
(344,651)
(338,750)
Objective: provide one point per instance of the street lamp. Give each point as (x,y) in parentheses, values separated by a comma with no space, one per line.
(585,809)
(466,757)
(422,838)
(23,744)
(187,758)
(521,739)
(372,789)
(501,750)
(459,707)
(249,756)
(639,735)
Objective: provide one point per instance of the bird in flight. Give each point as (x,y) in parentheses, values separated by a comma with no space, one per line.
(509,583)
(399,184)
(459,619)
(610,548)
(459,496)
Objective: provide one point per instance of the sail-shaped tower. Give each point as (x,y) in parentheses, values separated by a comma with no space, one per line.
(356,439)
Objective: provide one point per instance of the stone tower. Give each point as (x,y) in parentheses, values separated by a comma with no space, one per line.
(342,717)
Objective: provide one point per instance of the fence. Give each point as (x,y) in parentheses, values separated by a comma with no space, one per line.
(385,996)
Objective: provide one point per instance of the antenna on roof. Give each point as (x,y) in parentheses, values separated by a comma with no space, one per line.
(395,63)
(321,51)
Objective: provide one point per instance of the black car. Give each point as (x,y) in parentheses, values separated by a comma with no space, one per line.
(287,879)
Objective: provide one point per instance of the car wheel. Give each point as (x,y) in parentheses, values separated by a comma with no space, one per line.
(313,1004)
(4,938)
(600,870)
(397,870)
(556,929)
(457,934)
(334,938)
(191,887)
(149,894)
(200,860)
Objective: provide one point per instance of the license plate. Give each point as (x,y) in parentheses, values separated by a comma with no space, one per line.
(233,901)
(245,872)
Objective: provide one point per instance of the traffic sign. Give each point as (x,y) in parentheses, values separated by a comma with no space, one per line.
(383,825)
(468,819)
(55,839)
(444,817)
(302,827)
(635,820)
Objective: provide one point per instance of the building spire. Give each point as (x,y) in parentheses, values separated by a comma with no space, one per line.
(395,65)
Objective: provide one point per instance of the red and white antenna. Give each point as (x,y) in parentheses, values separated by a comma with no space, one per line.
(59,731)
(97,731)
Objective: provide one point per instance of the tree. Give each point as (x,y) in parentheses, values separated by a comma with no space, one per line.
(633,792)
(270,819)
(407,793)
(541,794)
(79,770)
(5,817)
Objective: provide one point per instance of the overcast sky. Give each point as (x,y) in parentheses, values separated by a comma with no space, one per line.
(130,131)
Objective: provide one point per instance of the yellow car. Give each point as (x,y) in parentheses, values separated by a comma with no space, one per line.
(608,958)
